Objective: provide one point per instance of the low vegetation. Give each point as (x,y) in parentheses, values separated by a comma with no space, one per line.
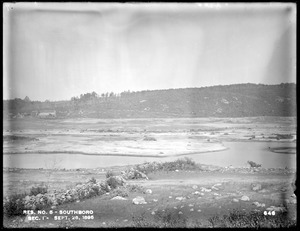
(241,219)
(180,164)
(253,164)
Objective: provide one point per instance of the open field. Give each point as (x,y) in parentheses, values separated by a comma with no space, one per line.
(62,153)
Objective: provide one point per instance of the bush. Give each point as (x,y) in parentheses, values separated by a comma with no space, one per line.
(14,206)
(180,164)
(92,180)
(253,164)
(42,189)
(110,173)
(112,182)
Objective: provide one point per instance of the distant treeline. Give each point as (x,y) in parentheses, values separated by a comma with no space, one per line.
(238,100)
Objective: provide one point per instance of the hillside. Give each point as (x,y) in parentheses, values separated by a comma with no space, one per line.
(238,100)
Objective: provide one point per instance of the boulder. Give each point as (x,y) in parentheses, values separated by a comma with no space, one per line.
(149,191)
(139,200)
(235,200)
(118,198)
(245,198)
(256,187)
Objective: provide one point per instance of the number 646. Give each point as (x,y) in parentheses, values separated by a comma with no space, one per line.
(269,213)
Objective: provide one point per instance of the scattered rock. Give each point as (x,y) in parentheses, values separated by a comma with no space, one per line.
(180,198)
(235,200)
(205,189)
(214,188)
(180,212)
(245,198)
(139,200)
(153,213)
(176,170)
(53,207)
(149,191)
(263,191)
(256,187)
(216,194)
(196,193)
(77,201)
(191,205)
(191,209)
(155,200)
(175,207)
(276,209)
(170,197)
(125,220)
(199,210)
(259,204)
(215,185)
(118,198)
(195,187)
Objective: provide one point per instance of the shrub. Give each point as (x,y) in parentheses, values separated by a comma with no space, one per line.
(92,180)
(253,164)
(110,173)
(14,206)
(41,189)
(112,182)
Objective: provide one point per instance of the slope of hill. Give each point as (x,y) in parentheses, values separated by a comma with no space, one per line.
(238,100)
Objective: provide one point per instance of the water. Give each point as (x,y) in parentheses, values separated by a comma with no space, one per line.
(237,155)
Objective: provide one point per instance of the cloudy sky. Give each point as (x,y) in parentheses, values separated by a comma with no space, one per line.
(58,50)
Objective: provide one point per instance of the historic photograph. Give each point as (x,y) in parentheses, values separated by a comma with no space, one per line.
(179,115)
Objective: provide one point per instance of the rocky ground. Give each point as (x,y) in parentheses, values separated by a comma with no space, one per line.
(192,196)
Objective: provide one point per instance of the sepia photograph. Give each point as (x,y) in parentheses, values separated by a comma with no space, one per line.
(149,115)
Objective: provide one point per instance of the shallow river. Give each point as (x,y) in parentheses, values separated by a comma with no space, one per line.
(237,155)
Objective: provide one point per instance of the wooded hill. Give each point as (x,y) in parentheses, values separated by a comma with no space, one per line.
(238,100)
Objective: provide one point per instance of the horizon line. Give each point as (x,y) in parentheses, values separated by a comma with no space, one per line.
(132,91)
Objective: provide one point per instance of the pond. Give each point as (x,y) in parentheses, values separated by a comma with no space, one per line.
(237,154)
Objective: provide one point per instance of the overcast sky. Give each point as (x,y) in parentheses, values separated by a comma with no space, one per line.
(58,50)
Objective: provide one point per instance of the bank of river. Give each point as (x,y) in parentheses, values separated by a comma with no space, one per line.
(237,154)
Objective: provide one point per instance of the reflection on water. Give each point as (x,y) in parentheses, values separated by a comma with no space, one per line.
(237,155)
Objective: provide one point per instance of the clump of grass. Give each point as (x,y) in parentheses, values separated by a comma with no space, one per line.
(135,188)
(253,164)
(121,191)
(148,138)
(40,189)
(241,219)
(14,205)
(141,221)
(168,218)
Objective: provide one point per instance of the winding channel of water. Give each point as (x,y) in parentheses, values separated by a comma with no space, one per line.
(237,154)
